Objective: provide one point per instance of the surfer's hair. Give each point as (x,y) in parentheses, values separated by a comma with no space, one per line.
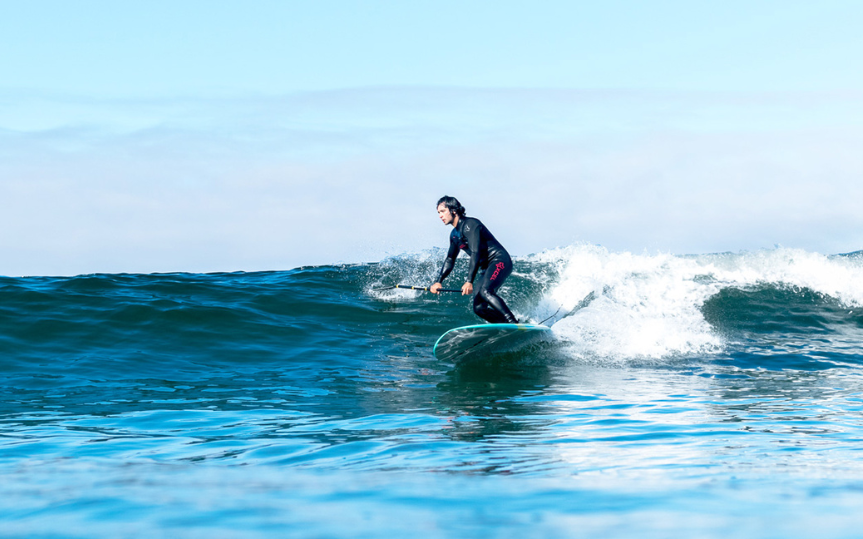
(452,204)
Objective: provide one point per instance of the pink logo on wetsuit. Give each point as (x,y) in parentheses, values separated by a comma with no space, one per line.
(498,267)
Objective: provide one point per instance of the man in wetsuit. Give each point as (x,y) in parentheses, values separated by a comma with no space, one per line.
(485,252)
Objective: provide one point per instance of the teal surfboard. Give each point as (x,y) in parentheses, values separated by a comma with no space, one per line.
(464,344)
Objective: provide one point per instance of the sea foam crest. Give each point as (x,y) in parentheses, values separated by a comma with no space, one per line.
(418,268)
(649,306)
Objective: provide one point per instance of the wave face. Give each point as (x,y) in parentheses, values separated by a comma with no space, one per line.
(667,373)
(603,307)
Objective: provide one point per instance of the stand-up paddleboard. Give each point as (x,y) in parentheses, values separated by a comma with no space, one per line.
(464,344)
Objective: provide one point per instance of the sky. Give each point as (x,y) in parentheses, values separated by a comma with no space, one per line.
(225,136)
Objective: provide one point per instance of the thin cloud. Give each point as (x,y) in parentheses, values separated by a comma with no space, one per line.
(281,181)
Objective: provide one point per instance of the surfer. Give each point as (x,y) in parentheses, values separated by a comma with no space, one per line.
(485,253)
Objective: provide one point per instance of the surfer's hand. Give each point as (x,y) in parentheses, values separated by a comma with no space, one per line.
(435,287)
(467,289)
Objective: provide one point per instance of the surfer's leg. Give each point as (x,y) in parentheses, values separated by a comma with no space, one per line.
(486,294)
(496,305)
(485,311)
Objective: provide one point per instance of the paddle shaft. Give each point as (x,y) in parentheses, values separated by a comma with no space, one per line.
(425,288)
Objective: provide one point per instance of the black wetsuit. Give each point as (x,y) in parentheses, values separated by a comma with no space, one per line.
(488,254)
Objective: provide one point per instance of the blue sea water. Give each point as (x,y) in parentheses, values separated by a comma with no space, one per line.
(683,396)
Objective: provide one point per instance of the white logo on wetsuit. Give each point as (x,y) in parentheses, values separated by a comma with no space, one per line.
(466,227)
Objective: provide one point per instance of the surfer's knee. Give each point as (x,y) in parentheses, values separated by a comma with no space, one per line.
(487,296)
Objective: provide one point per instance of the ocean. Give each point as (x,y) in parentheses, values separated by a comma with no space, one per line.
(683,396)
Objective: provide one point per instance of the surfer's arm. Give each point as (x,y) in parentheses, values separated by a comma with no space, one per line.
(449,262)
(474,239)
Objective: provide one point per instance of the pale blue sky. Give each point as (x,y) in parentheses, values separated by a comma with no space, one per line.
(207,136)
(189,48)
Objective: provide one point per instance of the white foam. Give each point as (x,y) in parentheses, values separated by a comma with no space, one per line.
(418,269)
(649,306)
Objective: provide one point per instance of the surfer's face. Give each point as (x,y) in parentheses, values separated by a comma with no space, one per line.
(445,214)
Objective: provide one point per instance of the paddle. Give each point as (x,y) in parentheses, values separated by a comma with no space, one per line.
(409,287)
